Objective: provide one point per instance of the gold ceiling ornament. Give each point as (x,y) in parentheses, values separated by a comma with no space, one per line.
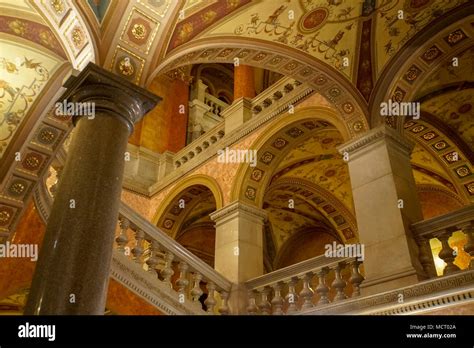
(58,6)
(77,37)
(17,188)
(358,126)
(139,31)
(125,66)
(181,74)
(4,216)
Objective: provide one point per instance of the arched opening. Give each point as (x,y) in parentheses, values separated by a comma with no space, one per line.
(186,219)
(303,183)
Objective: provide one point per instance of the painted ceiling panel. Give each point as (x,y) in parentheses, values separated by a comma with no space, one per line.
(298,24)
(24,72)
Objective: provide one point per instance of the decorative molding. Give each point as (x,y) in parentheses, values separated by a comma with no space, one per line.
(376,135)
(237,208)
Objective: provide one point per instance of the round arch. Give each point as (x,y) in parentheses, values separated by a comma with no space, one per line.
(410,67)
(323,78)
(312,118)
(198,179)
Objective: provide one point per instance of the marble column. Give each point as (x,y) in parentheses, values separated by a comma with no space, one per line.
(386,204)
(244,82)
(239,248)
(72,273)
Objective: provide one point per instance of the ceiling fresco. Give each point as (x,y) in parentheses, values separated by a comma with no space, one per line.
(24,72)
(317,160)
(392,33)
(456,110)
(448,75)
(298,24)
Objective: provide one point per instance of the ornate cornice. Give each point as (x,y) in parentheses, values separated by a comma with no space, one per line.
(376,135)
(238,207)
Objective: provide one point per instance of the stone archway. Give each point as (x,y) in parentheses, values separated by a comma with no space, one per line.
(275,57)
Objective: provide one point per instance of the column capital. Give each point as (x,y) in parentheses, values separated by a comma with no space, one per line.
(376,136)
(239,208)
(109,93)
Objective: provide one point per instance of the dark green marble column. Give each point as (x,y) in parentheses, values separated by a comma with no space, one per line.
(72,272)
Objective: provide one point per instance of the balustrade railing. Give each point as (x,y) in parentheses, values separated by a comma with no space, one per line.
(188,277)
(216,105)
(199,145)
(273,94)
(444,229)
(305,285)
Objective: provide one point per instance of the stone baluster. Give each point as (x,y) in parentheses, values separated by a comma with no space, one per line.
(122,238)
(292,298)
(426,256)
(137,251)
(182,282)
(322,289)
(469,246)
(339,284)
(307,293)
(196,291)
(210,301)
(224,309)
(153,259)
(252,308)
(277,300)
(447,254)
(356,278)
(167,271)
(264,305)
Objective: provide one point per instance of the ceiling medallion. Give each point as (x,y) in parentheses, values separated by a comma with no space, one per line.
(139,31)
(17,188)
(4,216)
(125,67)
(47,135)
(313,20)
(462,171)
(357,126)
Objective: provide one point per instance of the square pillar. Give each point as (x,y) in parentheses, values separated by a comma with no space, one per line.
(239,248)
(386,204)
(239,112)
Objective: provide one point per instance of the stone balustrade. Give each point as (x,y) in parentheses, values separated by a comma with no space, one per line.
(442,228)
(216,105)
(303,286)
(199,145)
(274,93)
(189,280)
(267,101)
